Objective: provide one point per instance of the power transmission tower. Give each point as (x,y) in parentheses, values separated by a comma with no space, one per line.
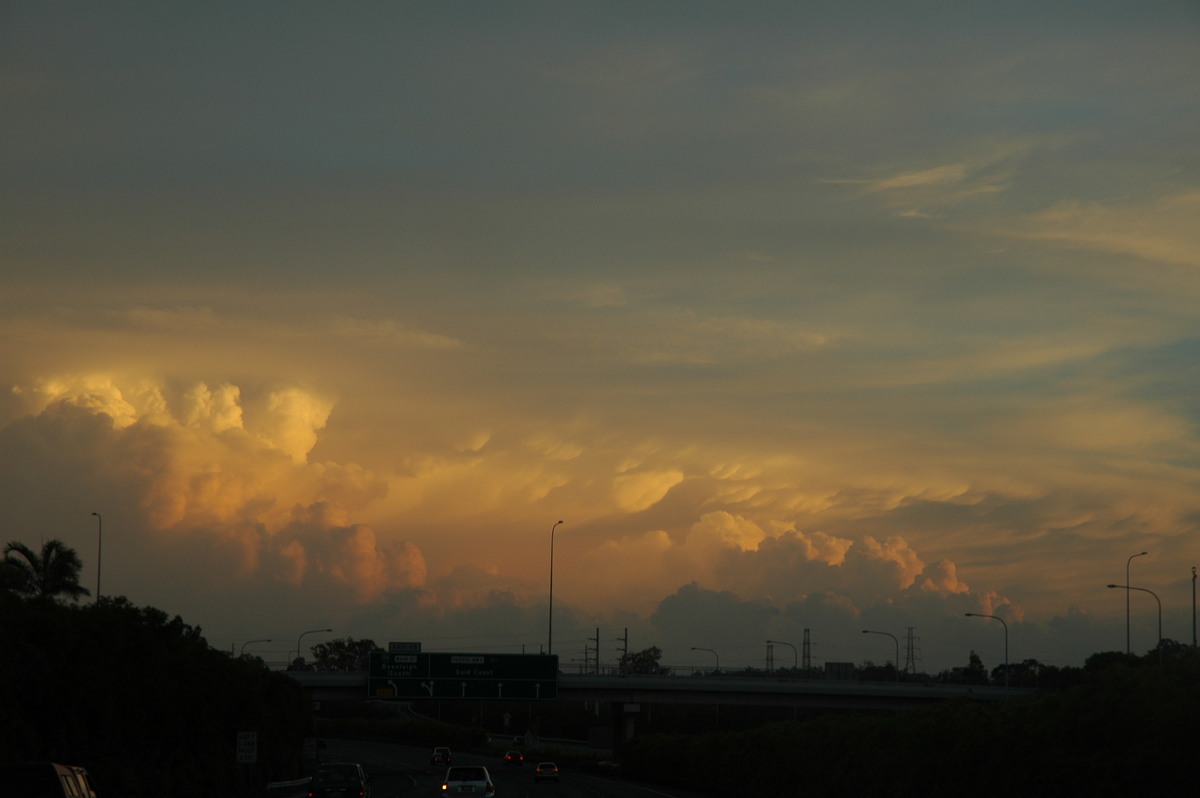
(910,656)
(806,659)
(770,658)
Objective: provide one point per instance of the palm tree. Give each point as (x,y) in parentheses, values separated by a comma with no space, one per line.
(50,575)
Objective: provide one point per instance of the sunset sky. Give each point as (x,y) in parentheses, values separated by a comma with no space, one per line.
(829,316)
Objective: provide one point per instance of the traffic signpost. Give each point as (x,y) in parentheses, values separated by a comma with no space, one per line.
(411,676)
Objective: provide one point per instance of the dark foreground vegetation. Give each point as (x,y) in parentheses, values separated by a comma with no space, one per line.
(141,701)
(151,710)
(1130,726)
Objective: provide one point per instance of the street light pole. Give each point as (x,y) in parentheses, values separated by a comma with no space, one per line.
(895,640)
(795,653)
(1001,620)
(710,651)
(1193,606)
(1127,588)
(1139,554)
(550,620)
(242,653)
(99,547)
(309,632)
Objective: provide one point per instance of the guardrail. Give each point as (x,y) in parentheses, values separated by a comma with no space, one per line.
(297,788)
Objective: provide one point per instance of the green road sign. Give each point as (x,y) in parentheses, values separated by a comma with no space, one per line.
(463,676)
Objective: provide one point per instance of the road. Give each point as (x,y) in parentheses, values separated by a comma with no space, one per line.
(401,770)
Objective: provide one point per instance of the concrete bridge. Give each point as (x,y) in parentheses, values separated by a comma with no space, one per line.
(708,690)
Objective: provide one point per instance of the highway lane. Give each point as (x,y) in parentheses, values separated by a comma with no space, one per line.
(402,770)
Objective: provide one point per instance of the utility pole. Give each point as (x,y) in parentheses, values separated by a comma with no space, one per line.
(624,649)
(596,639)
(806,660)
(770,657)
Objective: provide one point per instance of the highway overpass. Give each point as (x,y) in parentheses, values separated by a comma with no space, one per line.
(708,690)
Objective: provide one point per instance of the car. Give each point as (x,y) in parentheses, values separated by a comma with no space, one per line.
(440,756)
(515,758)
(45,778)
(339,780)
(468,780)
(545,770)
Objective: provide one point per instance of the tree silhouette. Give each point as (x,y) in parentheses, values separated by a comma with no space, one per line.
(343,655)
(51,574)
(643,662)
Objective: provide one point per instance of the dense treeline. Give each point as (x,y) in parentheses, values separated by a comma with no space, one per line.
(141,700)
(1129,727)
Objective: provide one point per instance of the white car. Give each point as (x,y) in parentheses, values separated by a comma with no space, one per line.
(468,780)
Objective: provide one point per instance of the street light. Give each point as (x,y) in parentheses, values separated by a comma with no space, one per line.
(1001,620)
(1127,588)
(894,640)
(1131,556)
(710,651)
(99,545)
(795,654)
(550,621)
(309,632)
(242,653)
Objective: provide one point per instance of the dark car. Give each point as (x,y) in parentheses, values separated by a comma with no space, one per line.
(514,758)
(48,779)
(339,780)
(545,770)
(440,756)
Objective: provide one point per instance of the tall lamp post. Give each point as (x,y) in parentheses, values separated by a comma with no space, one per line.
(99,547)
(1193,606)
(795,653)
(309,632)
(895,640)
(1001,620)
(550,620)
(242,653)
(717,669)
(1127,588)
(1131,556)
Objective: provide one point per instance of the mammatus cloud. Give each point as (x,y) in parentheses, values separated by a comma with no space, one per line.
(639,490)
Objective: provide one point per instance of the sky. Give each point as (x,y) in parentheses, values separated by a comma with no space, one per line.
(803,318)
